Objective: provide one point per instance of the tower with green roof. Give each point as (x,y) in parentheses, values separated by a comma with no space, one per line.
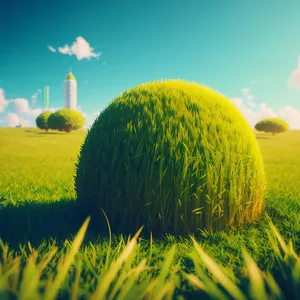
(70,91)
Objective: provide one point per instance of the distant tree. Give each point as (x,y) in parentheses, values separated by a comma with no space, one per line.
(66,120)
(42,120)
(273,125)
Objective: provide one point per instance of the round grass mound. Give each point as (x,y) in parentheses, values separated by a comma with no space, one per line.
(42,120)
(66,120)
(173,156)
(273,125)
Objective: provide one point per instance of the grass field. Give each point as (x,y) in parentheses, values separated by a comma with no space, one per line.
(38,205)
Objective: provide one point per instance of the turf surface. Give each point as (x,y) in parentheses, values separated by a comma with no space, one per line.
(37,204)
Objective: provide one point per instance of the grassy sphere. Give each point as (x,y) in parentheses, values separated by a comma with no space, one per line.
(273,125)
(173,156)
(66,120)
(42,120)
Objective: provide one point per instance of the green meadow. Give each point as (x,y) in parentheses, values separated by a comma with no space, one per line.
(44,255)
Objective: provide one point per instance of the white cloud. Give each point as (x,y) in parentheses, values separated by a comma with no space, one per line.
(265,111)
(90,117)
(250,101)
(35,96)
(245,91)
(21,109)
(80,48)
(251,116)
(294,79)
(21,106)
(79,109)
(52,49)
(247,107)
(65,50)
(12,120)
(248,96)
(53,109)
(34,112)
(3,101)
(290,114)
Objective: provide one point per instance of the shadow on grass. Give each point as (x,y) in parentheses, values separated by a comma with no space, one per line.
(62,219)
(263,137)
(50,132)
(28,130)
(36,222)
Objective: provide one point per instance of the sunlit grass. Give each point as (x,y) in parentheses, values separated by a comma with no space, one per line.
(174,156)
(38,168)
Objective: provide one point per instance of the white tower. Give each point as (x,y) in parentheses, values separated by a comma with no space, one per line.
(70,92)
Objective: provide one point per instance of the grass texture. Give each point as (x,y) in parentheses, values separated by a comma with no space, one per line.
(49,249)
(174,156)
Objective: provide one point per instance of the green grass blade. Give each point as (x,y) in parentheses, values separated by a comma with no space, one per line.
(30,280)
(132,278)
(105,282)
(257,288)
(160,280)
(216,271)
(62,271)
(75,288)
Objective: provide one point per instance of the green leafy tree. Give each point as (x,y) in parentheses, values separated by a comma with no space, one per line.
(42,120)
(66,120)
(273,125)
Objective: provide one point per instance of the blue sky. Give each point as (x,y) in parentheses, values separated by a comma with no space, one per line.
(247,50)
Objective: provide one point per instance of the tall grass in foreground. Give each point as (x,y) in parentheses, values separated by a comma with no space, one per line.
(36,275)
